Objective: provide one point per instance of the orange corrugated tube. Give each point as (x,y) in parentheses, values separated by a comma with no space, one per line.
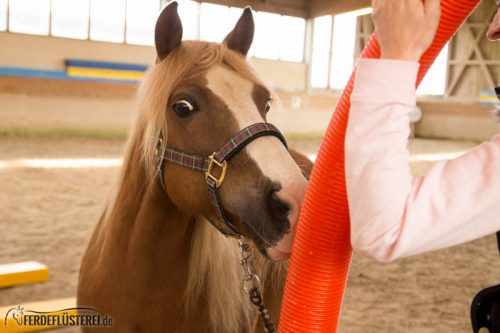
(321,254)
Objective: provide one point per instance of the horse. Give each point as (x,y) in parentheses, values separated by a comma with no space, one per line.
(164,256)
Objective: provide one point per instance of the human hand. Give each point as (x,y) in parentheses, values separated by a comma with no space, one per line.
(405,28)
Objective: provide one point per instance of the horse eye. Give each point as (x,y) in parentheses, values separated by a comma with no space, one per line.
(268,106)
(183,108)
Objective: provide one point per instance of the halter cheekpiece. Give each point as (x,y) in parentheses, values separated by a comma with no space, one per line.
(216,161)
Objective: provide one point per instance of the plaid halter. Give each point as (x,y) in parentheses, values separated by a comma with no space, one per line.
(218,160)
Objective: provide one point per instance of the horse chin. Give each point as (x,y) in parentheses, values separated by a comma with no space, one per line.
(271,253)
(276,255)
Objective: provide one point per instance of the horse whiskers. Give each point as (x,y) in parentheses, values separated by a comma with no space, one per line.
(269,271)
(215,274)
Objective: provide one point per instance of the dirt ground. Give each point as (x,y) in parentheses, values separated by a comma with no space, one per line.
(47,214)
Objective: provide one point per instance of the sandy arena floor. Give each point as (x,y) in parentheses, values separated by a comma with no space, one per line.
(47,214)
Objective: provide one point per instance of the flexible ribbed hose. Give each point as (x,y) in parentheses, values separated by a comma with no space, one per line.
(321,255)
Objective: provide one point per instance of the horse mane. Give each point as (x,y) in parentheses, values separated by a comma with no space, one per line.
(215,274)
(214,269)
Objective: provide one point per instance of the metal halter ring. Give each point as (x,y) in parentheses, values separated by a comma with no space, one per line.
(159,148)
(208,173)
(247,279)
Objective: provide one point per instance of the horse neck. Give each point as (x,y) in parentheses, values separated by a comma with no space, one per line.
(145,224)
(151,233)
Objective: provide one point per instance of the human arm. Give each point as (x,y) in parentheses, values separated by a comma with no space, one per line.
(394,215)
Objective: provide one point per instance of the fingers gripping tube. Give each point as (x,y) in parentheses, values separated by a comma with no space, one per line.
(321,255)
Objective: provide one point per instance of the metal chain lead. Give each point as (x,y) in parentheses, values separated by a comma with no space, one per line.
(251,284)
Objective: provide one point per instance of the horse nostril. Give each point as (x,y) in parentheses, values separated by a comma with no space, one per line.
(278,208)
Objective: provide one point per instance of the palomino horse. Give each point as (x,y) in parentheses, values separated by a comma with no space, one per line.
(155,263)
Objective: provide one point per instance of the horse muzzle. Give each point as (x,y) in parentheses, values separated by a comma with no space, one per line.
(293,199)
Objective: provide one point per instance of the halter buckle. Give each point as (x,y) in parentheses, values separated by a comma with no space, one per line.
(208,174)
(159,148)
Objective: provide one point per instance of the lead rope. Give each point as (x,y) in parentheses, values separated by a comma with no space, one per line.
(251,284)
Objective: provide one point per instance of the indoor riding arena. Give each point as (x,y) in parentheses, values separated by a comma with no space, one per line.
(70,72)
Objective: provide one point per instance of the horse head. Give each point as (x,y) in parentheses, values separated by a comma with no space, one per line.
(18,314)
(200,95)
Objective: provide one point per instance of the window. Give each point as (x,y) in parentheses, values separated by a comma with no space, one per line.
(434,82)
(267,35)
(214,22)
(321,51)
(333,54)
(70,18)
(293,30)
(29,16)
(189,12)
(141,20)
(107,20)
(343,44)
(133,21)
(344,36)
(3,15)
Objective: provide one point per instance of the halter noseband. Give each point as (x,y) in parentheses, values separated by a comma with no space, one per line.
(217,160)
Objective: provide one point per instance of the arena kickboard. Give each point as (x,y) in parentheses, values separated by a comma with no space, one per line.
(22,273)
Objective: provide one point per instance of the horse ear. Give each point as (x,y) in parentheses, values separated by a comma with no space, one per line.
(240,39)
(168,31)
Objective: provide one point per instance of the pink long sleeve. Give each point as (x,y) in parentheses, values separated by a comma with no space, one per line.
(394,215)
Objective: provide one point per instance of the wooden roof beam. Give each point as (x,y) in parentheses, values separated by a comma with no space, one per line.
(298,8)
(321,7)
